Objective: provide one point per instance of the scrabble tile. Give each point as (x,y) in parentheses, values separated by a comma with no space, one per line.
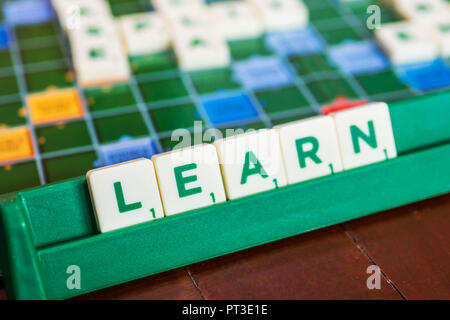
(406,42)
(190,20)
(87,8)
(439,31)
(235,20)
(201,49)
(25,12)
(358,57)
(127,150)
(281,14)
(137,29)
(169,7)
(229,108)
(365,135)
(189,178)
(74,13)
(100,62)
(298,41)
(55,105)
(15,144)
(310,148)
(420,10)
(251,163)
(262,73)
(93,29)
(125,194)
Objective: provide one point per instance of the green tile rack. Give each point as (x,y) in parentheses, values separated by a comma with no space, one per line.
(45,230)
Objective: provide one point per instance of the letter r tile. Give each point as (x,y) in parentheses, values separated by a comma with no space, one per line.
(310,148)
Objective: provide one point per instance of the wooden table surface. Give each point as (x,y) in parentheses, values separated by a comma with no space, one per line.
(410,244)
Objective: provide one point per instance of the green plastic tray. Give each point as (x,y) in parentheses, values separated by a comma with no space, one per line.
(45,230)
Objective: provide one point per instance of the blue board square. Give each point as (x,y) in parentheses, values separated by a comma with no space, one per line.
(126,150)
(24,12)
(4,37)
(300,41)
(358,57)
(231,108)
(262,73)
(426,76)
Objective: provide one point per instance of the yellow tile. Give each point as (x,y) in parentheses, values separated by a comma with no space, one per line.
(54,105)
(15,144)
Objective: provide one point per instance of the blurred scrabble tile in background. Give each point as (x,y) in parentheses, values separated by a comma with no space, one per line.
(406,43)
(235,20)
(100,62)
(74,13)
(201,49)
(138,29)
(420,9)
(90,30)
(281,14)
(439,31)
(169,6)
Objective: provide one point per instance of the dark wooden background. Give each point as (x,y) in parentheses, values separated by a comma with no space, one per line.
(410,244)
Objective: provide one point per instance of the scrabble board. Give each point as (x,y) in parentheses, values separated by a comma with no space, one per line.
(293,82)
(61,117)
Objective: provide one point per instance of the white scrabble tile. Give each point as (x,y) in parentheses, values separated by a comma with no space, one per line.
(281,14)
(406,42)
(143,33)
(439,31)
(420,10)
(100,62)
(310,148)
(125,194)
(189,178)
(169,7)
(91,30)
(235,20)
(365,135)
(190,20)
(201,49)
(251,163)
(72,13)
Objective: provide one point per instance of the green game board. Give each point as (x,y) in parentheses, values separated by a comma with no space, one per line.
(160,98)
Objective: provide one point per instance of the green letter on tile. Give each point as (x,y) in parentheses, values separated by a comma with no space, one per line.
(357,134)
(123,207)
(182,181)
(257,167)
(302,154)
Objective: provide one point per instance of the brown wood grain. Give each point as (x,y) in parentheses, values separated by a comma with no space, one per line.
(323,264)
(175,284)
(412,246)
